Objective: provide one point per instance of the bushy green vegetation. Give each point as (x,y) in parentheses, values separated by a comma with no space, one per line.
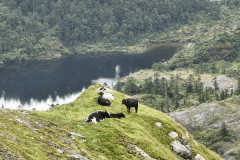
(172,92)
(35,29)
(109,138)
(214,139)
(236,153)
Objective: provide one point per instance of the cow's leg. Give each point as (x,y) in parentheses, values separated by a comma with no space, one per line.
(136,108)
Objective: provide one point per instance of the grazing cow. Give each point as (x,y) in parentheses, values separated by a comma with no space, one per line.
(103,101)
(102,89)
(97,116)
(108,96)
(118,115)
(130,103)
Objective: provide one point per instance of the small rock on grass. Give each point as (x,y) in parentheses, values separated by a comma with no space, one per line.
(173,134)
(158,124)
(77,135)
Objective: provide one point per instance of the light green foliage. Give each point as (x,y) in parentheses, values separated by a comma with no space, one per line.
(213,138)
(236,153)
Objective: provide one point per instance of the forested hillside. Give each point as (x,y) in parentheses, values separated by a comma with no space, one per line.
(32,29)
(200,85)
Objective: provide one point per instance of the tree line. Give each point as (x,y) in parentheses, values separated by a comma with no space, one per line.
(23,23)
(173,93)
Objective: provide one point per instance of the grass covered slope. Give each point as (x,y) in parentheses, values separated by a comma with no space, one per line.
(41,135)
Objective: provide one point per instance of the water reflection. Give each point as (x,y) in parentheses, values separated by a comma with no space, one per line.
(38,84)
(35,104)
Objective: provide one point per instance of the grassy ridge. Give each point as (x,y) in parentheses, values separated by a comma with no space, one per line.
(110,138)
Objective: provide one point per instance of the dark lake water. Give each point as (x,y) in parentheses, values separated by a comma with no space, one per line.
(37,84)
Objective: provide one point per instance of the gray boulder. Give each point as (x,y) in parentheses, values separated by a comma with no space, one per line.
(184,141)
(199,157)
(173,134)
(181,150)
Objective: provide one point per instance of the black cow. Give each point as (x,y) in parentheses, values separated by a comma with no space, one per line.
(130,103)
(97,116)
(118,115)
(103,101)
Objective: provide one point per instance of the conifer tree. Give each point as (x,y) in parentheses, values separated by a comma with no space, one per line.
(213,68)
(163,87)
(189,84)
(224,132)
(215,84)
(156,84)
(130,87)
(222,95)
(226,93)
(238,87)
(217,96)
(148,85)
(177,105)
(118,86)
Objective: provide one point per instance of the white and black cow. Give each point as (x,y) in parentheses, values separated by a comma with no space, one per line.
(102,89)
(130,102)
(108,96)
(97,116)
(103,101)
(118,115)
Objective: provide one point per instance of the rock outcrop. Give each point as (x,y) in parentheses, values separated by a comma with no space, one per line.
(199,157)
(181,150)
(173,134)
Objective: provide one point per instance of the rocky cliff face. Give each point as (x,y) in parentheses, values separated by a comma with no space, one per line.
(211,116)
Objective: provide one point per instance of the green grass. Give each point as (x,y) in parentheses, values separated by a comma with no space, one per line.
(109,138)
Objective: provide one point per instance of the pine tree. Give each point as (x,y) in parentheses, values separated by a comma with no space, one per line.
(222,95)
(224,132)
(163,87)
(130,87)
(199,85)
(189,84)
(177,105)
(226,93)
(217,96)
(214,80)
(213,68)
(238,87)
(118,86)
(156,84)
(148,85)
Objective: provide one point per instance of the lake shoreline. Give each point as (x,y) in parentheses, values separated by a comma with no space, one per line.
(99,53)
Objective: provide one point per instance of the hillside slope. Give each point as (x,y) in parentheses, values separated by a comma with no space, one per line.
(47,135)
(205,120)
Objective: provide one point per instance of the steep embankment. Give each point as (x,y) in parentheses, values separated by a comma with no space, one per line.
(208,118)
(47,135)
(204,120)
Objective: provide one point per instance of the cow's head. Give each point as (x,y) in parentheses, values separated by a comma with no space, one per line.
(108,114)
(124,101)
(122,115)
(100,94)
